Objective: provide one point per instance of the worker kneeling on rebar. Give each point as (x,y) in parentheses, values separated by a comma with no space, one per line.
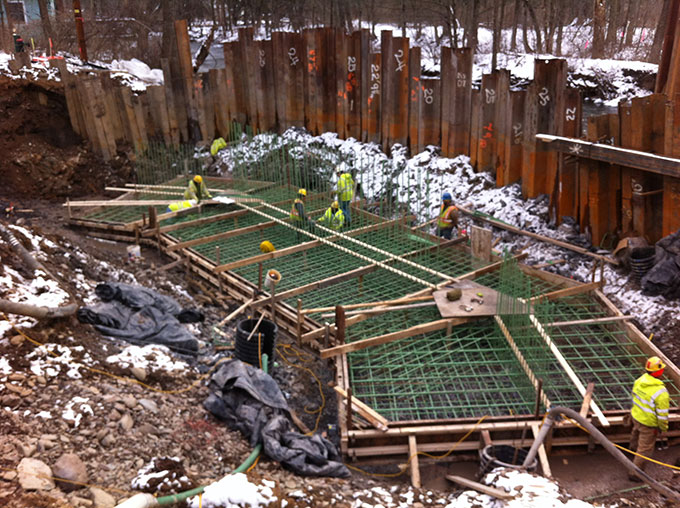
(298,216)
(649,412)
(333,218)
(448,217)
(197,189)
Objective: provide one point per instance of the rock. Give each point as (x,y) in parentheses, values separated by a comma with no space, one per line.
(418,505)
(119,407)
(10,400)
(9,476)
(17,340)
(14,376)
(102,499)
(108,440)
(129,401)
(46,444)
(70,467)
(126,422)
(149,405)
(139,373)
(34,474)
(19,390)
(79,501)
(147,429)
(114,415)
(41,380)
(28,449)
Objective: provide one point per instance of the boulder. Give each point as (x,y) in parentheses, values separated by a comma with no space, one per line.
(70,467)
(34,474)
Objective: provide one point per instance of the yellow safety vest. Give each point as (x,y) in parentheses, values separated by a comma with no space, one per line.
(180,205)
(294,214)
(445,220)
(194,191)
(334,220)
(650,402)
(345,187)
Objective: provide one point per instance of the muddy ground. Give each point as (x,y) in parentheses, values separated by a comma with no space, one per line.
(43,162)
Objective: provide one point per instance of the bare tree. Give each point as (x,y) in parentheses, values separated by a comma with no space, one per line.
(599,10)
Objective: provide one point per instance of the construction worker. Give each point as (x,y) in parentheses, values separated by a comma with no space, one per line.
(345,190)
(334,218)
(448,217)
(298,216)
(649,413)
(18,42)
(197,189)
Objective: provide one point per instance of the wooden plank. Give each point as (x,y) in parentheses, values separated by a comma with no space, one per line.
(113,111)
(462,102)
(413,461)
(562,293)
(522,361)
(484,489)
(388,86)
(340,91)
(559,243)
(542,455)
(71,96)
(391,337)
(480,241)
(328,71)
(234,77)
(205,96)
(159,111)
(282,76)
(567,368)
(95,113)
(220,104)
(586,322)
(268,85)
(374,418)
(585,405)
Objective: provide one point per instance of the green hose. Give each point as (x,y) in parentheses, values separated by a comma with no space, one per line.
(250,460)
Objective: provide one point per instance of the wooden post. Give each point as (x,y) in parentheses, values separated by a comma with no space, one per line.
(217,260)
(259,276)
(413,460)
(348,408)
(339,324)
(480,239)
(299,322)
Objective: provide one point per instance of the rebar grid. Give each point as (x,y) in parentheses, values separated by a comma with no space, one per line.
(469,373)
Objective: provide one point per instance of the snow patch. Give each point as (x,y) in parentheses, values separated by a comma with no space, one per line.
(234,491)
(75,409)
(151,357)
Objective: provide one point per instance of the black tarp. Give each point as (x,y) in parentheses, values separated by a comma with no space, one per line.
(249,400)
(664,276)
(141,316)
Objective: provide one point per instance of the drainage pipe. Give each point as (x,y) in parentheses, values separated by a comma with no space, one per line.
(21,251)
(149,501)
(601,439)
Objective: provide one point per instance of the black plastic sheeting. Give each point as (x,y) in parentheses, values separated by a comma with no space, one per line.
(664,277)
(249,400)
(141,316)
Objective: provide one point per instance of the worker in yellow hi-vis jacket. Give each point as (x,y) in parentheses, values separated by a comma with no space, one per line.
(649,412)
(197,189)
(334,218)
(345,191)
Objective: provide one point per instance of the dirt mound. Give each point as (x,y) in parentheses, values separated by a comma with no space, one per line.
(42,157)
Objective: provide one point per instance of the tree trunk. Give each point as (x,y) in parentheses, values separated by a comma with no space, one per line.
(45,20)
(613,24)
(474,22)
(660,33)
(599,11)
(516,15)
(168,42)
(634,10)
(496,34)
(537,26)
(560,30)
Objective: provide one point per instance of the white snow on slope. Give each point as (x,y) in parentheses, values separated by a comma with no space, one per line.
(150,357)
(235,491)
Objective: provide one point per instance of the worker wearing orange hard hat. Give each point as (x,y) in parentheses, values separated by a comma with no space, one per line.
(197,189)
(649,413)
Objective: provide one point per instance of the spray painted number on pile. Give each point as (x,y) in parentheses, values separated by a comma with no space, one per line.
(428,95)
(351,64)
(544,96)
(375,80)
(571,114)
(398,56)
(292,54)
(461,79)
(517,133)
(490,95)
(262,60)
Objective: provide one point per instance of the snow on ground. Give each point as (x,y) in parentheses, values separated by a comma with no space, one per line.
(234,491)
(531,491)
(151,358)
(76,409)
(49,360)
